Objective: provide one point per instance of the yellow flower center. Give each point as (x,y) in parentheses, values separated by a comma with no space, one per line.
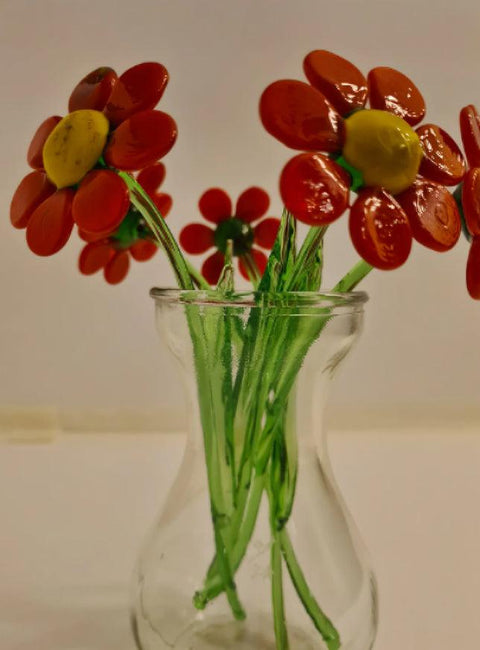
(74,146)
(384,148)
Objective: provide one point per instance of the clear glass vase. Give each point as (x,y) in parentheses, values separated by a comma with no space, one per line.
(254,548)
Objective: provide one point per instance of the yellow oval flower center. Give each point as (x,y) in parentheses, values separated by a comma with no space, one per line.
(74,146)
(384,148)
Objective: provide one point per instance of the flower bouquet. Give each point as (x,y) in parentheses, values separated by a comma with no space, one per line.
(254,547)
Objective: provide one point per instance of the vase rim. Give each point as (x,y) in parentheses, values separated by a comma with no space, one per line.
(331,300)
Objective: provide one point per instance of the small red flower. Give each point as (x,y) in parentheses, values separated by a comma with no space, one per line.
(399,173)
(470,194)
(111,126)
(216,206)
(132,238)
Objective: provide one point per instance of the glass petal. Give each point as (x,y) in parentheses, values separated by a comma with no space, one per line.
(442,160)
(117,268)
(163,202)
(300,116)
(470,130)
(35,150)
(93,91)
(471,200)
(314,189)
(215,205)
(196,238)
(266,232)
(473,269)
(32,191)
(260,260)
(139,88)
(152,177)
(212,267)
(432,213)
(379,229)
(143,250)
(391,90)
(95,256)
(51,224)
(340,81)
(141,140)
(252,204)
(101,202)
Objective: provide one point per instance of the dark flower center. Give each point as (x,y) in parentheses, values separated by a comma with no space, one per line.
(238,231)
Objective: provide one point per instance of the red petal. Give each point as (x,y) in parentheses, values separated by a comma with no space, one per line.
(196,238)
(300,117)
(471,200)
(138,88)
(93,90)
(266,232)
(50,225)
(143,250)
(442,160)
(35,150)
(314,189)
(32,191)
(117,268)
(141,140)
(379,229)
(91,236)
(152,177)
(215,205)
(101,202)
(260,260)
(252,204)
(95,256)
(432,213)
(392,91)
(163,202)
(470,130)
(340,81)
(473,269)
(212,267)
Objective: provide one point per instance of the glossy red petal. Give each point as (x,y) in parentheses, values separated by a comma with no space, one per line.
(473,269)
(260,260)
(32,191)
(391,90)
(93,91)
(139,88)
(471,200)
(143,250)
(215,205)
(163,202)
(300,116)
(51,224)
(95,256)
(379,229)
(196,238)
(101,202)
(442,160)
(91,236)
(35,150)
(266,232)
(432,213)
(141,140)
(470,130)
(340,81)
(117,268)
(152,177)
(252,204)
(314,189)
(212,267)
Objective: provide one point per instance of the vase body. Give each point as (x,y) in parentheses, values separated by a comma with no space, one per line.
(254,548)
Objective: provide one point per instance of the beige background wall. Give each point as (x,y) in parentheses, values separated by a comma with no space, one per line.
(81,347)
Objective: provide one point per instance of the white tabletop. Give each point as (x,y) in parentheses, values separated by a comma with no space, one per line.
(73,514)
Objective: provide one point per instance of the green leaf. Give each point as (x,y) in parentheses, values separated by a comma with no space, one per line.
(282,258)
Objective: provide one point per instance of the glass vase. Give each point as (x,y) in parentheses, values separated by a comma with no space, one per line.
(254,548)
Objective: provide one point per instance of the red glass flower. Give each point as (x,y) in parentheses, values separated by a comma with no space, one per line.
(470,194)
(399,173)
(131,239)
(111,126)
(216,206)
